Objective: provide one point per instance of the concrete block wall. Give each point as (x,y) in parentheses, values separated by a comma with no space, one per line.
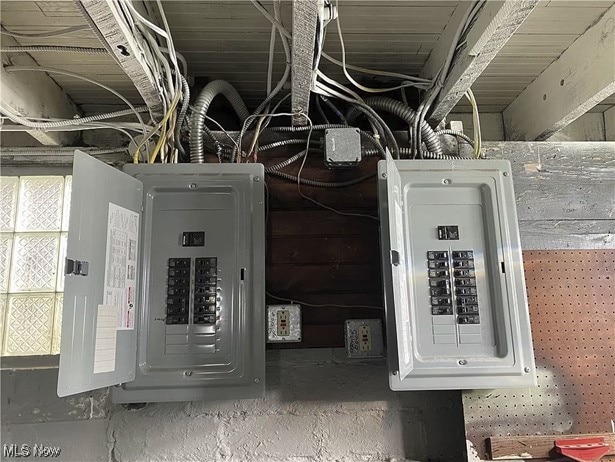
(319,406)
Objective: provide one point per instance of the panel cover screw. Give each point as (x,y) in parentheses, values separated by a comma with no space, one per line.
(526,369)
(505,174)
(446,181)
(192,185)
(187,373)
(257,178)
(462,362)
(257,380)
(384,175)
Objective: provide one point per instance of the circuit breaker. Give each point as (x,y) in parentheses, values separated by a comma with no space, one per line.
(164,293)
(456,307)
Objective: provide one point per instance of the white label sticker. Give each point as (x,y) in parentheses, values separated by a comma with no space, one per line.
(121,264)
(106,339)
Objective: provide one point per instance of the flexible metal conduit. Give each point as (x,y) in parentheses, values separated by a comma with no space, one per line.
(407,153)
(197,122)
(54,48)
(458,134)
(405,113)
(69,122)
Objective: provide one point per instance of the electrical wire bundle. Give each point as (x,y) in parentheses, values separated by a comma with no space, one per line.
(160,137)
(163,131)
(424,141)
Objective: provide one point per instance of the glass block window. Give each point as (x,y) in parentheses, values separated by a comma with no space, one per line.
(34,213)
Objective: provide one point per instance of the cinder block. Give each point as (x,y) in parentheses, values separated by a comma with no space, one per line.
(163,435)
(272,436)
(371,436)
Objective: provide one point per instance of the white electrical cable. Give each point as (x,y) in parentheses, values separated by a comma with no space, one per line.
(271,19)
(365,70)
(338,85)
(77,76)
(347,74)
(56,123)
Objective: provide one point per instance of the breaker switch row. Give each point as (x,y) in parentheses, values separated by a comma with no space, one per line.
(464,281)
(178,291)
(205,290)
(439,282)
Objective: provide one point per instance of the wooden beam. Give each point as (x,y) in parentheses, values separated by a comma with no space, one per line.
(305,21)
(438,54)
(609,124)
(35,94)
(494,25)
(126,48)
(583,76)
(536,447)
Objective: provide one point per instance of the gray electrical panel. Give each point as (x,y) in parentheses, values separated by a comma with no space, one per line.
(456,308)
(164,294)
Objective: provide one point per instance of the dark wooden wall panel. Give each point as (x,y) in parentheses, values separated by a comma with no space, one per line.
(322,258)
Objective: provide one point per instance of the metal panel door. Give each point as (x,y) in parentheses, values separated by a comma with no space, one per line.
(401,286)
(99,335)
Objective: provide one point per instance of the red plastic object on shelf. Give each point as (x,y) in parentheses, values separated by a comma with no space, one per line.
(583,449)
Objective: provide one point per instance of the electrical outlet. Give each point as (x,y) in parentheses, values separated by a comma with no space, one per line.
(282,318)
(364,338)
(284,323)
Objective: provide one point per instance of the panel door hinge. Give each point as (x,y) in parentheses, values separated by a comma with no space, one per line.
(76,267)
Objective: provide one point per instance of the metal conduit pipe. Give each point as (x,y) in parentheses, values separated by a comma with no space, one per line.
(405,113)
(407,153)
(197,122)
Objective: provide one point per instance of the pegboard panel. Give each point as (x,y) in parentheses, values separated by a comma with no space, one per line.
(571,297)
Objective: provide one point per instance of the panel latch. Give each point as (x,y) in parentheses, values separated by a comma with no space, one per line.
(76,267)
(395,260)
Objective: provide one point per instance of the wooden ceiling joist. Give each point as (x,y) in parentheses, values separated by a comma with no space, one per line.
(494,26)
(35,95)
(583,76)
(113,30)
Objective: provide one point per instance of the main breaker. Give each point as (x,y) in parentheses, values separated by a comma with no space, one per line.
(456,308)
(164,293)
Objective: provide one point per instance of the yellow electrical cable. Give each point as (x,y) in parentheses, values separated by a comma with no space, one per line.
(135,157)
(476,123)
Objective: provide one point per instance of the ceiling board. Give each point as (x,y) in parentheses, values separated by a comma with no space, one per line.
(231,40)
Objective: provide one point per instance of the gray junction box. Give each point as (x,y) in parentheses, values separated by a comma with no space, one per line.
(164,293)
(456,308)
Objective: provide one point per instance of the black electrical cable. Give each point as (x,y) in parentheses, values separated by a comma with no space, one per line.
(321,184)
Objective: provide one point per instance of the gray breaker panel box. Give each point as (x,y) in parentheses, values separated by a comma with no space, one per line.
(456,308)
(194,214)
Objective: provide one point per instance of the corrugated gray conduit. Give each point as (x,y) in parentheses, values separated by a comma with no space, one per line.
(54,48)
(458,134)
(69,122)
(407,153)
(405,113)
(197,122)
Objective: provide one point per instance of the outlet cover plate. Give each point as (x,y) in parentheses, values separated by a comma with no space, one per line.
(364,338)
(283,323)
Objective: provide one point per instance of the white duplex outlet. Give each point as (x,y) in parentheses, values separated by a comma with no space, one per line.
(282,322)
(365,338)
